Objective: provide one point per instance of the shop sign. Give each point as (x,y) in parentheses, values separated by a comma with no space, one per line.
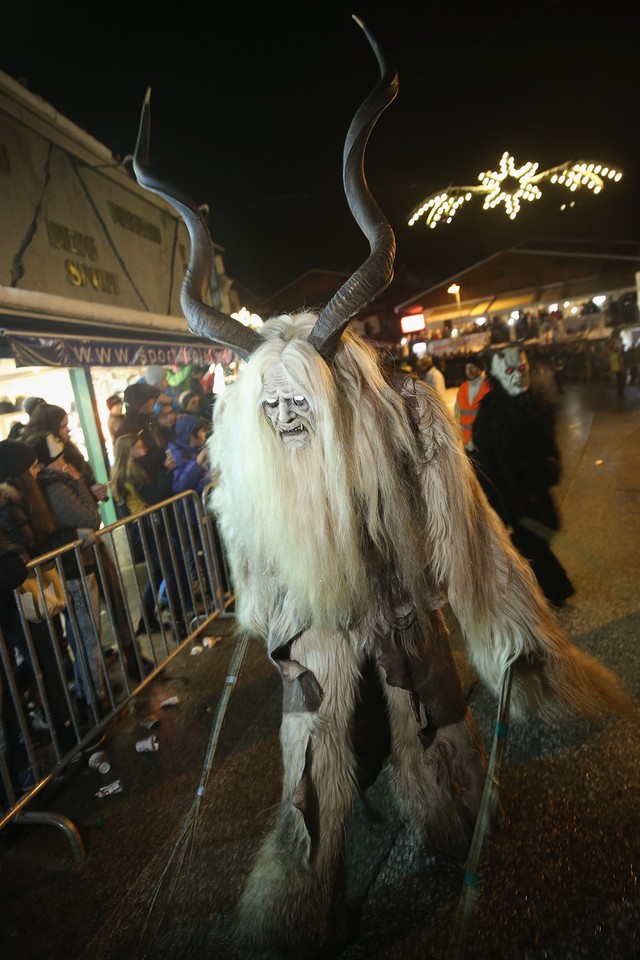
(60,352)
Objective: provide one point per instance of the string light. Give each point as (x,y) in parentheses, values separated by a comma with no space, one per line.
(511,185)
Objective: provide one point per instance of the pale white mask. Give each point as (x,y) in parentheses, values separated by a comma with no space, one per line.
(286,407)
(510,368)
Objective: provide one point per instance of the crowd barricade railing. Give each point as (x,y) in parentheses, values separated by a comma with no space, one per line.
(220,568)
(151,583)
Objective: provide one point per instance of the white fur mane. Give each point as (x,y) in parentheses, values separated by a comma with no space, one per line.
(327,523)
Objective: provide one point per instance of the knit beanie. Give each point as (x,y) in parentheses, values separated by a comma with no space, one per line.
(185,397)
(155,375)
(46,418)
(31,403)
(138,393)
(476,359)
(15,459)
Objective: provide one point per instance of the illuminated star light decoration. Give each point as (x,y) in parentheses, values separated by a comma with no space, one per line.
(511,185)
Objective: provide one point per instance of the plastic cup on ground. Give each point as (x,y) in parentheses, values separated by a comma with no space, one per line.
(148,744)
(100,762)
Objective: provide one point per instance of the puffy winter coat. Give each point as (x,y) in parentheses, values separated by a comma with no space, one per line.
(188,474)
(15,523)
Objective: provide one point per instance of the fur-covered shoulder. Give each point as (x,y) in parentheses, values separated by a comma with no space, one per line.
(430,416)
(9,495)
(417,395)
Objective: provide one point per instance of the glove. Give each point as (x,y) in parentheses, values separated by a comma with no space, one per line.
(13,572)
(87,535)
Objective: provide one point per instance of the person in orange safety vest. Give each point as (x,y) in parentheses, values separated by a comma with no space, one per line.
(468,398)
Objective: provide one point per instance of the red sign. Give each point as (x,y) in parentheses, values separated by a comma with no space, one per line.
(412,323)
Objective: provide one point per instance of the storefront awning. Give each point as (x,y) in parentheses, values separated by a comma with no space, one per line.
(40,330)
(94,352)
(513,302)
(438,315)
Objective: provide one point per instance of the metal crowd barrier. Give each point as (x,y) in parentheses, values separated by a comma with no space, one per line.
(160,580)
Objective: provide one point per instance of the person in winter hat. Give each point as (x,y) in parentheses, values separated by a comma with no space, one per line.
(189,402)
(156,376)
(189,452)
(30,404)
(15,459)
(140,398)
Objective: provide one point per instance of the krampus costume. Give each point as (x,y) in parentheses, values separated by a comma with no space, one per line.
(518,461)
(350,515)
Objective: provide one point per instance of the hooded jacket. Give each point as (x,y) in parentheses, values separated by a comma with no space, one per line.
(188,474)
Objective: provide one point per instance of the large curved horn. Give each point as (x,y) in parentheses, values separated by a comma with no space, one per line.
(203,320)
(376,272)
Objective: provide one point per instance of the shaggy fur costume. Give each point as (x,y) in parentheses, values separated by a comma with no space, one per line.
(342,553)
(350,514)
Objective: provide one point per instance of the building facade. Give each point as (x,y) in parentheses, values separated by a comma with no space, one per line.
(91,267)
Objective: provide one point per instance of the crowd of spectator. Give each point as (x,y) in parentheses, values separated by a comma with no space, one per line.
(49,496)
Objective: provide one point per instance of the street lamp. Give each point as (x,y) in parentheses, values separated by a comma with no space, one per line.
(455,290)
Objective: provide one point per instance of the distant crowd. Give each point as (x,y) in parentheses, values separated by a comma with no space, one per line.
(584,360)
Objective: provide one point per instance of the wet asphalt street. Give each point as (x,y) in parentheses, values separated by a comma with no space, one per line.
(558,880)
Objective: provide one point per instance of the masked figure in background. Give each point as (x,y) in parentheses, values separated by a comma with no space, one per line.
(518,462)
(350,514)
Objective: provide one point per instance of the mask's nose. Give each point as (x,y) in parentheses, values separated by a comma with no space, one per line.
(286,412)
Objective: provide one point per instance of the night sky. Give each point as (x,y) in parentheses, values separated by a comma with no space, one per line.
(249,114)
